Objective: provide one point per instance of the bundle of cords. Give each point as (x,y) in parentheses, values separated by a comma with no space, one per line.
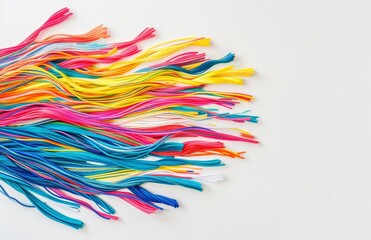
(81,118)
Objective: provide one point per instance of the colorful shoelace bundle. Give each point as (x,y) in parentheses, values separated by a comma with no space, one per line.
(81,118)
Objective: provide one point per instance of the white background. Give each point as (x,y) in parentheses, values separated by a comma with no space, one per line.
(309,179)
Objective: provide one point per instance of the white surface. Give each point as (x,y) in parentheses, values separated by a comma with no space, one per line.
(309,179)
